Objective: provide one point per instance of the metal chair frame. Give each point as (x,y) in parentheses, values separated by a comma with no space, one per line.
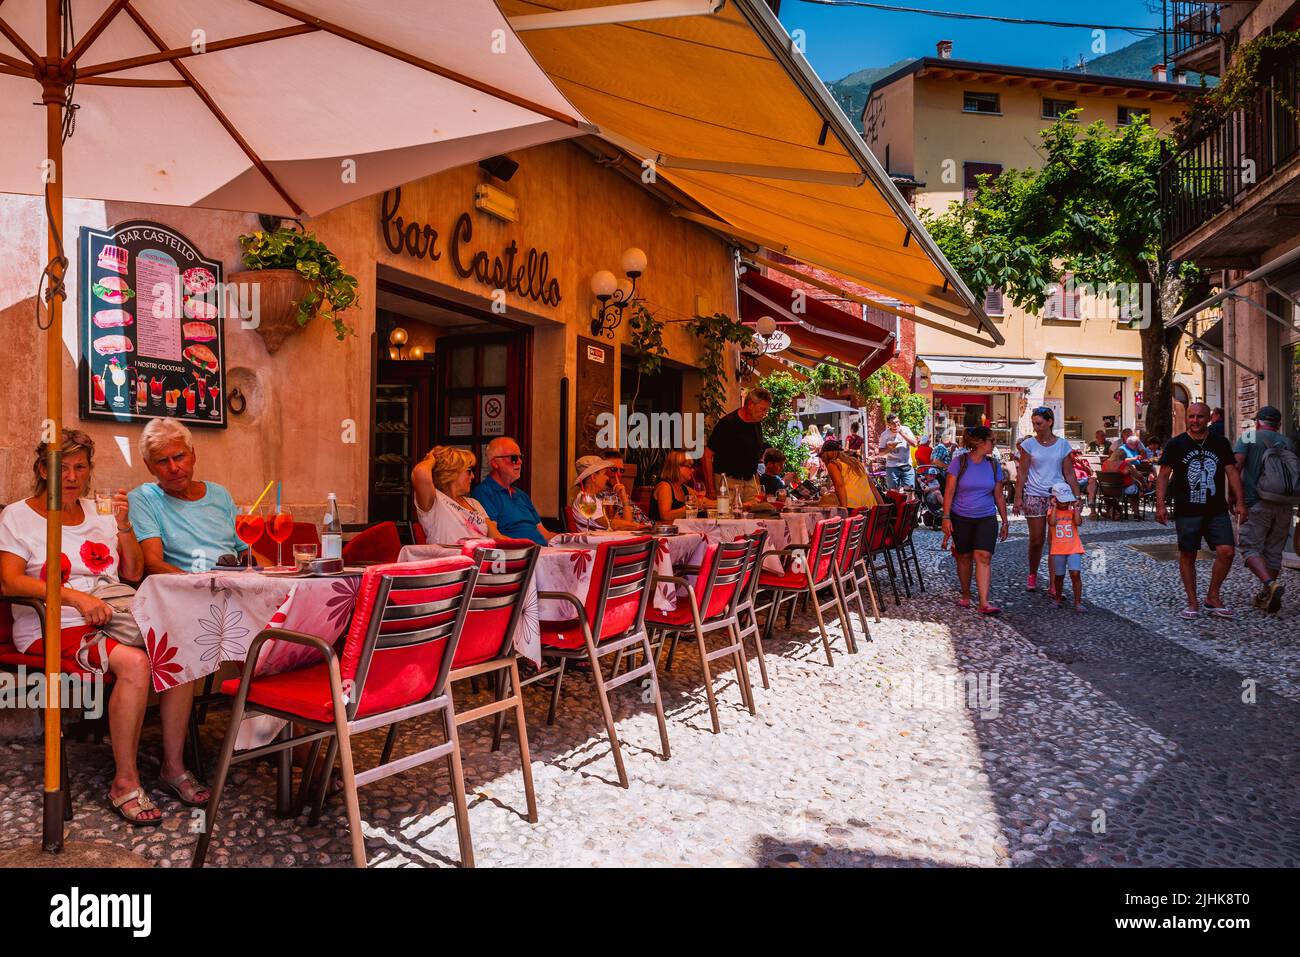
(637,575)
(727,568)
(825,544)
(345,722)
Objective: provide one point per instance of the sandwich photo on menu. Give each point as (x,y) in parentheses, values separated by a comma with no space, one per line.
(202,357)
(112,289)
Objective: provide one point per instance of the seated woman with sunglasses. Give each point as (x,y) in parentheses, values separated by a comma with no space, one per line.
(441,484)
(595,477)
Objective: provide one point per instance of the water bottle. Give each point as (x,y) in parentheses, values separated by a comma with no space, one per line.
(331,531)
(724,499)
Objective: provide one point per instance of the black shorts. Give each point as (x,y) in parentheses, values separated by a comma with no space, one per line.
(1216,530)
(974,534)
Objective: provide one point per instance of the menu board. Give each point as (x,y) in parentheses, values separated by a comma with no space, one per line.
(152,337)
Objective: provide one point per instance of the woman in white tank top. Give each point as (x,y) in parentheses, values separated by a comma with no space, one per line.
(1045,459)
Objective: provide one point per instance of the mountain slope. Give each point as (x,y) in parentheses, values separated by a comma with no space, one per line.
(850,92)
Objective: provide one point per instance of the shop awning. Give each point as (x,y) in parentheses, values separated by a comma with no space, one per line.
(722,106)
(820,330)
(766,365)
(819,405)
(988,373)
(1096,363)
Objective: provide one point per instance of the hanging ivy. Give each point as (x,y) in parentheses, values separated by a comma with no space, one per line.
(714,333)
(781,427)
(647,339)
(1255,65)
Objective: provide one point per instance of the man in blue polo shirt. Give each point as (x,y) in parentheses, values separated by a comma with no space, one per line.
(511,508)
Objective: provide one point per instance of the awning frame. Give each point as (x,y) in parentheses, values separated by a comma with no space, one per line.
(1259,275)
(616,13)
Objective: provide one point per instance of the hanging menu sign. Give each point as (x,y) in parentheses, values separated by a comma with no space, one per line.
(152,338)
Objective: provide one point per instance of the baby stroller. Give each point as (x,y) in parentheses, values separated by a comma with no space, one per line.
(929,489)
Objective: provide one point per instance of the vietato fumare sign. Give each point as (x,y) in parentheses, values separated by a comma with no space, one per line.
(525,273)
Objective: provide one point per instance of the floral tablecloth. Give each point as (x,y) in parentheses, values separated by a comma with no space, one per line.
(568,567)
(193,623)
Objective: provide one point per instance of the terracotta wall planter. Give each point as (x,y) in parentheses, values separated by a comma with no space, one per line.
(279,291)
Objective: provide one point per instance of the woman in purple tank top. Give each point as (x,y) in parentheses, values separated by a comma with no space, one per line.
(972,502)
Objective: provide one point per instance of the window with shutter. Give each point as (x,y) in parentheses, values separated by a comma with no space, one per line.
(993,305)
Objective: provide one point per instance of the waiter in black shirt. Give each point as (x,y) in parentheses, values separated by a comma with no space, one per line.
(735,447)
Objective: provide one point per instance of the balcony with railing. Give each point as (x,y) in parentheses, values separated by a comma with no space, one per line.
(1194,29)
(1249,161)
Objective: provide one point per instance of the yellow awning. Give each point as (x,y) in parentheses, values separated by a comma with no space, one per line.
(731,114)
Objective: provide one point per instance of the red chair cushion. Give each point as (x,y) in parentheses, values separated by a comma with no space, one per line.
(378,543)
(562,634)
(788,580)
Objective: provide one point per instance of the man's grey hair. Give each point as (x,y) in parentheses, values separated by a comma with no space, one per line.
(159,434)
(500,446)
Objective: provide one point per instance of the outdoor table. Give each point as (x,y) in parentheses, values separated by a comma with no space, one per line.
(568,567)
(192,623)
(788,531)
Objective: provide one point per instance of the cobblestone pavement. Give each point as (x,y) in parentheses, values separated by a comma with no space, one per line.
(1118,737)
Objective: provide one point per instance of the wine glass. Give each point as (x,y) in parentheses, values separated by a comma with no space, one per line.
(587,505)
(280,526)
(250,523)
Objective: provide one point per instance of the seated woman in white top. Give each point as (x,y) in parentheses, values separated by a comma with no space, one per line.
(596,475)
(441,483)
(97,550)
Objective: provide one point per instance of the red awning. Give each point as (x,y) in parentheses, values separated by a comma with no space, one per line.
(818,331)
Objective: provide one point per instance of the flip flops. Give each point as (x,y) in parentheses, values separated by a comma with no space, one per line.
(963,602)
(990,610)
(1218,611)
(1191,614)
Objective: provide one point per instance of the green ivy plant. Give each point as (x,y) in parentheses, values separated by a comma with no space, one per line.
(714,333)
(330,288)
(777,433)
(1253,65)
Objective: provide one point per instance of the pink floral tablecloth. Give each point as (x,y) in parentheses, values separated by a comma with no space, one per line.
(568,567)
(193,623)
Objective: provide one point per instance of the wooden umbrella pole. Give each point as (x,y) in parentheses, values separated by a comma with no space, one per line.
(53,97)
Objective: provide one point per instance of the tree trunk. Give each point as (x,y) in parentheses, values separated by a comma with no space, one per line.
(1160,348)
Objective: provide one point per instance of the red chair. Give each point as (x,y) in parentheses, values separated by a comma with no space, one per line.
(396,663)
(864,574)
(505,576)
(817,575)
(417,534)
(845,581)
(710,606)
(746,607)
(377,545)
(899,541)
(304,533)
(611,621)
(876,548)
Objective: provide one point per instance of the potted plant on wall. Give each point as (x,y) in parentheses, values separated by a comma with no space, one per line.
(297,278)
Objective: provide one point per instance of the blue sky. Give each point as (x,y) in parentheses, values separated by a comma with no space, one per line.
(840,40)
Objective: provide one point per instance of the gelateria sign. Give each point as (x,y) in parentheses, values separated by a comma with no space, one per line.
(524,273)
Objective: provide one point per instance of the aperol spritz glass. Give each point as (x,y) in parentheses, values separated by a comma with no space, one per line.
(280,527)
(250,523)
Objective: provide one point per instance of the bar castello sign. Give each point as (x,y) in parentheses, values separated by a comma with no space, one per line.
(526,274)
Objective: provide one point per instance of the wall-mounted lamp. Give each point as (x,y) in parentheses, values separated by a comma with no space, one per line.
(417,353)
(767,340)
(398,338)
(613,300)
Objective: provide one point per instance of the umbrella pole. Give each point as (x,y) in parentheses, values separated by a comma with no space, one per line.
(54,98)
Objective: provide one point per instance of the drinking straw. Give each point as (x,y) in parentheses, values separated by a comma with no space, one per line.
(262,496)
(277,497)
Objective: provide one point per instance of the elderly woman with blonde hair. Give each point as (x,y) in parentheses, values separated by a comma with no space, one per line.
(441,483)
(100,550)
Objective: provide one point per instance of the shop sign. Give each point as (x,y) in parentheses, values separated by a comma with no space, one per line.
(461,425)
(493,415)
(150,326)
(526,274)
(596,354)
(1247,396)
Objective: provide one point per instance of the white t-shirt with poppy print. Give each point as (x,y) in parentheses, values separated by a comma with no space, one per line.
(89,555)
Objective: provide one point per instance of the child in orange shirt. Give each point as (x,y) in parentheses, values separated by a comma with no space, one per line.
(1064,518)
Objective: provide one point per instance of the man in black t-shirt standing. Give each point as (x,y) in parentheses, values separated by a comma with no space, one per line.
(1203,468)
(735,447)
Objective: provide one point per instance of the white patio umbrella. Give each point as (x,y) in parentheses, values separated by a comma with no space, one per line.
(288,108)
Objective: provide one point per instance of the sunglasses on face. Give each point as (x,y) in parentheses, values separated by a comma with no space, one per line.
(512,459)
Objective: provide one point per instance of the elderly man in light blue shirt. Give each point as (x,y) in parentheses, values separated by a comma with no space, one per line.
(183,525)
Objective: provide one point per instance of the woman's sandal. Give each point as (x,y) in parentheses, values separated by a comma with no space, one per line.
(990,610)
(184,789)
(963,602)
(143,806)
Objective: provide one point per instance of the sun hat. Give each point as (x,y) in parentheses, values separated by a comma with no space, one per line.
(1062,492)
(589,465)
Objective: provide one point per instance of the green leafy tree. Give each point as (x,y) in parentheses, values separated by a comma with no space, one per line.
(1092,210)
(777,432)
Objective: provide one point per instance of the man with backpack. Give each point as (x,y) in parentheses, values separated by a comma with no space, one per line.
(1270,474)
